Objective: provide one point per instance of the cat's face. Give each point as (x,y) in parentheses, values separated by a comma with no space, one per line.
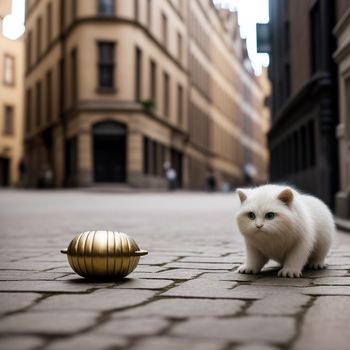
(265,212)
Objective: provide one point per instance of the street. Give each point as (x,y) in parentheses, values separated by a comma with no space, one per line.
(185,294)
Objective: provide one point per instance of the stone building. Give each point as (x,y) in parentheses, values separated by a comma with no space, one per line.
(304,94)
(114,89)
(342,58)
(11,104)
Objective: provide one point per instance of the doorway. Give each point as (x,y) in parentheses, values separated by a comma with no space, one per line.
(109,151)
(4,172)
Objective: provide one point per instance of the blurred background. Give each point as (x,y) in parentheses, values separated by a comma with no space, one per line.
(175,94)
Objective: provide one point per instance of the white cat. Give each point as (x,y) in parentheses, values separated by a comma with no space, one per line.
(279,223)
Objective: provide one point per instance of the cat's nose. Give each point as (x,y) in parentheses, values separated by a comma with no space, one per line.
(259,226)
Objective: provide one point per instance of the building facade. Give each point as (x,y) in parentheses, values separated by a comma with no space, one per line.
(304,94)
(342,58)
(11,104)
(114,89)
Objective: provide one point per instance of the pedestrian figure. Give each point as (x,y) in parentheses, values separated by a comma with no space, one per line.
(22,169)
(171,176)
(211,181)
(46,176)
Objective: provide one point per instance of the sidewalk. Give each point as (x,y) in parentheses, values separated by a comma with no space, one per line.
(185,294)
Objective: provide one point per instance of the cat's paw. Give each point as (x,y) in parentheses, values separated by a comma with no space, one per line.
(287,272)
(248,269)
(316,265)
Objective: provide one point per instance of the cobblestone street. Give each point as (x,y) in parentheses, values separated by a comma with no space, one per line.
(186,294)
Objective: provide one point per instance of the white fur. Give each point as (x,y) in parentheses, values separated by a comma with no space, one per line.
(300,233)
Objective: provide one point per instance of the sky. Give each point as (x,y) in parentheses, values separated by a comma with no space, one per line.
(250,12)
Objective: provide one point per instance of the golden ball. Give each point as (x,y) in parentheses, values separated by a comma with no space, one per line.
(103,254)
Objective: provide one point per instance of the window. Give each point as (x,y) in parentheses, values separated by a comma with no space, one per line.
(9,70)
(138,73)
(38,103)
(74,75)
(311,139)
(74,9)
(49,95)
(164,29)
(347,108)
(28,116)
(29,50)
(154,157)
(8,120)
(316,38)
(136,9)
(106,65)
(38,36)
(166,94)
(106,7)
(180,104)
(49,23)
(145,155)
(179,47)
(149,13)
(61,90)
(153,82)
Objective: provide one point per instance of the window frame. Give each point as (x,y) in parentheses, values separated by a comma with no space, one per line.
(11,130)
(108,64)
(13,60)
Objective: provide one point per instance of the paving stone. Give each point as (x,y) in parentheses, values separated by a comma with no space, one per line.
(276,330)
(259,292)
(89,341)
(275,281)
(137,326)
(279,304)
(154,259)
(173,343)
(100,300)
(15,275)
(32,266)
(255,347)
(16,301)
(47,323)
(342,281)
(148,268)
(78,285)
(186,308)
(20,343)
(326,290)
(200,266)
(232,259)
(229,276)
(326,325)
(202,288)
(172,274)
(325,273)
(132,283)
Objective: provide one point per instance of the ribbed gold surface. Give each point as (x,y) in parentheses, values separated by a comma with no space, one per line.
(103,254)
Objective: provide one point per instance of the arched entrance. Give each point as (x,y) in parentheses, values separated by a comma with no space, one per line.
(109,151)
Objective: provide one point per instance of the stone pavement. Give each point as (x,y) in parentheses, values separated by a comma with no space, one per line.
(185,294)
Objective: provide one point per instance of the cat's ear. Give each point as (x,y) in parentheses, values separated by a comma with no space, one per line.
(286,196)
(242,196)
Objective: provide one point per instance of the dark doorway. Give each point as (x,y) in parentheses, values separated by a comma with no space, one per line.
(4,172)
(109,144)
(71,162)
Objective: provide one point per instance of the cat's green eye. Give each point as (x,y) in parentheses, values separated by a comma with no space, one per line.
(269,215)
(251,215)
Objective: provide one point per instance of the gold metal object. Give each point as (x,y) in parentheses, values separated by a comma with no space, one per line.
(103,254)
